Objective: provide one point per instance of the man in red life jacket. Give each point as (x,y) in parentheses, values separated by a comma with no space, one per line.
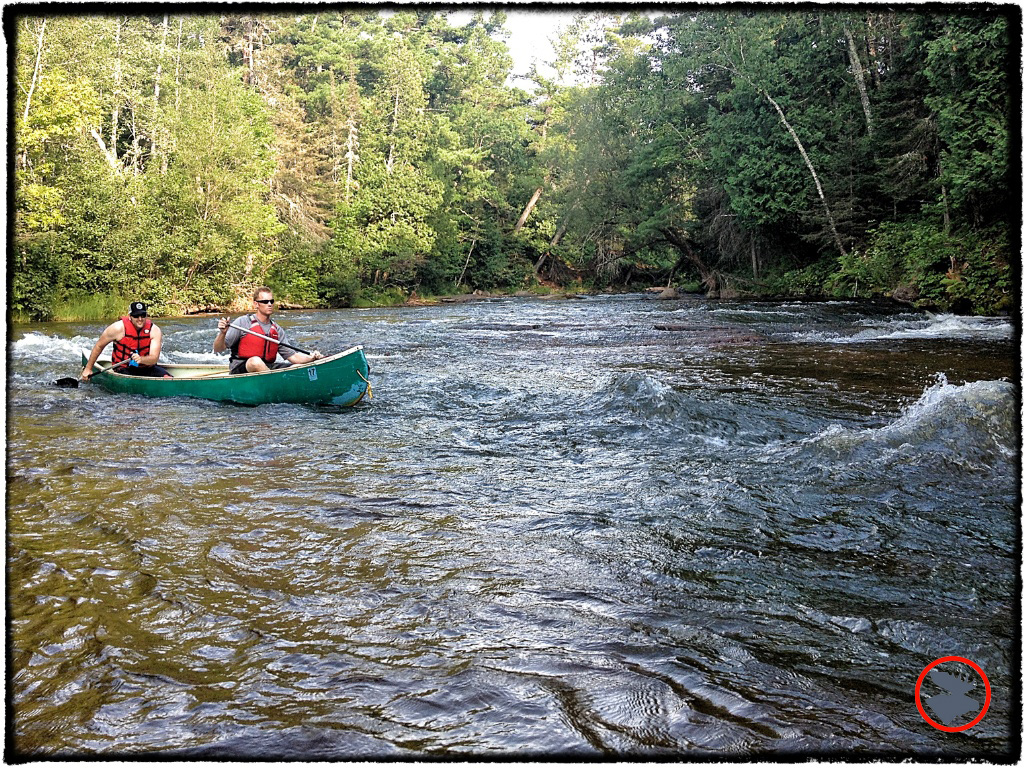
(135,336)
(251,354)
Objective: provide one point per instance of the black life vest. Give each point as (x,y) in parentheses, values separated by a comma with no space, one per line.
(134,340)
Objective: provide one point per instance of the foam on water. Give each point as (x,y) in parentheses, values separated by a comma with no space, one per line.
(975,418)
(639,393)
(913,327)
(46,348)
(756,312)
(194,358)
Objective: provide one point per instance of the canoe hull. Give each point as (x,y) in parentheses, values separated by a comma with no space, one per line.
(341,379)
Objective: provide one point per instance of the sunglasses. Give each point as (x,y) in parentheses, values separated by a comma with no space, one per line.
(141,317)
(264,301)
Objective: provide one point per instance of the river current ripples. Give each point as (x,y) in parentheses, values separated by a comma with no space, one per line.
(608,527)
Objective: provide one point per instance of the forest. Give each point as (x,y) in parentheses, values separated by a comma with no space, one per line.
(358,156)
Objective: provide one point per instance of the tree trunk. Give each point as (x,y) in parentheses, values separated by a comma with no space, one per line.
(136,146)
(858,74)
(466,265)
(707,275)
(526,211)
(947,222)
(36,70)
(351,148)
(554,241)
(160,66)
(558,235)
(873,47)
(803,153)
(115,112)
(177,67)
(810,167)
(156,91)
(394,129)
(109,156)
(36,74)
(352,125)
(248,51)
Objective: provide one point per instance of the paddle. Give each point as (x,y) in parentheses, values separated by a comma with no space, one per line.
(267,338)
(70,382)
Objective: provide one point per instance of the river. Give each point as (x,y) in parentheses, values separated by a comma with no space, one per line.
(593,528)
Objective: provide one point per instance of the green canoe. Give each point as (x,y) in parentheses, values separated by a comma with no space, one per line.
(341,379)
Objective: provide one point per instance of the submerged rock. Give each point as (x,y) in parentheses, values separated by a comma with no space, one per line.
(712,335)
(906,294)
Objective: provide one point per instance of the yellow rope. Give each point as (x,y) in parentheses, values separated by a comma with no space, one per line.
(369,389)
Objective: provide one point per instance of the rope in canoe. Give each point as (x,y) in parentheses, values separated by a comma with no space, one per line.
(369,389)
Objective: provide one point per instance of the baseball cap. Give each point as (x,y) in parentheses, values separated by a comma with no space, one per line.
(138,309)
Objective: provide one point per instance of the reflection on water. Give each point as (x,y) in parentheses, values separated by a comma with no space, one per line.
(556,530)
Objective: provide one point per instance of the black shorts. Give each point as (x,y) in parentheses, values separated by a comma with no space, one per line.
(144,370)
(238,366)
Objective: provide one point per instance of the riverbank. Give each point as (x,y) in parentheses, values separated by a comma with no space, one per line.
(104,308)
(414,300)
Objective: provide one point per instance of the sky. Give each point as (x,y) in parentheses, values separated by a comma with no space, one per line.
(530,33)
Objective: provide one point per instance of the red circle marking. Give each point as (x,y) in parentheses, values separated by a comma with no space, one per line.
(929,668)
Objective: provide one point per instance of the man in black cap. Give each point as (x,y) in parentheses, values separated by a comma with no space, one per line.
(135,338)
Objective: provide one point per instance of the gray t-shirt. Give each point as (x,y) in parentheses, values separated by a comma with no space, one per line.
(245,321)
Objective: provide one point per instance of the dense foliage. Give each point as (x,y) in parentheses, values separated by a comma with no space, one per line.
(352,155)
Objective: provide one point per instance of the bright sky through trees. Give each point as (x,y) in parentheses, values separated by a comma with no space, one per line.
(531,32)
(530,35)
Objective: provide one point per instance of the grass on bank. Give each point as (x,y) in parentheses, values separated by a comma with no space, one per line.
(83,307)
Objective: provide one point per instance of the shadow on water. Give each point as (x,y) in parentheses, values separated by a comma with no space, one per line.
(610,528)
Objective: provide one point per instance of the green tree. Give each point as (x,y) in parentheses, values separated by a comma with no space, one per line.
(967,66)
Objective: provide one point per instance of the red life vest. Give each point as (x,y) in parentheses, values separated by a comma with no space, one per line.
(250,346)
(133,341)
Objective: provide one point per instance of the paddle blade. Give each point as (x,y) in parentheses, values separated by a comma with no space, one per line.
(68,382)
